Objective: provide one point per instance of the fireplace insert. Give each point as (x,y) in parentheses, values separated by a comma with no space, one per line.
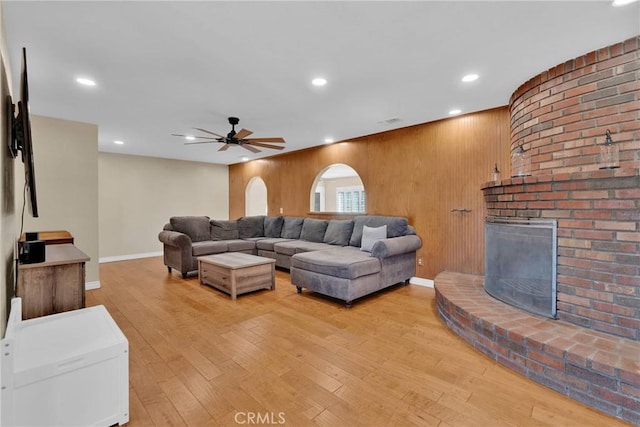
(521,263)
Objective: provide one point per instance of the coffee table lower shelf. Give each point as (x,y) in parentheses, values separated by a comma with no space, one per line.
(236,273)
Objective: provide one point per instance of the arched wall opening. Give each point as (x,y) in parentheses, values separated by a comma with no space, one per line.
(256,197)
(338,188)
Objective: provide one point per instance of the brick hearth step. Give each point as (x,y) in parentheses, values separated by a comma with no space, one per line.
(595,368)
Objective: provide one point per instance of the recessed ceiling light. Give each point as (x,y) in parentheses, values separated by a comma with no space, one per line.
(328,140)
(190,138)
(118,142)
(244,159)
(617,3)
(454,112)
(85,81)
(470,78)
(319,81)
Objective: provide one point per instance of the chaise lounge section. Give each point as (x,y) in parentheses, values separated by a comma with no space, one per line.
(363,266)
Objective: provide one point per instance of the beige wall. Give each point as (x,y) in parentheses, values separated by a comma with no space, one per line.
(66,176)
(7,208)
(138,195)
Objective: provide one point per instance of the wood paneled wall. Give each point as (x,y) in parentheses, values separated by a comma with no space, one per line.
(421,172)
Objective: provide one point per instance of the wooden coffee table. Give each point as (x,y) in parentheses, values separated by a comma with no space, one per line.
(237,273)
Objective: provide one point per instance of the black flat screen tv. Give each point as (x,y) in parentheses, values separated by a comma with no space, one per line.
(20,139)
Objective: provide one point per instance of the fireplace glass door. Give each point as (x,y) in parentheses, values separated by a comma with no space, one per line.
(521,262)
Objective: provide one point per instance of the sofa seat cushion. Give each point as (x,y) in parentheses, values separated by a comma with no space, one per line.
(286,248)
(208,247)
(241,245)
(304,246)
(253,239)
(344,262)
(266,244)
(293,247)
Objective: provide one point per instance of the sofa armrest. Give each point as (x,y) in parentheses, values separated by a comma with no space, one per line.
(174,238)
(396,246)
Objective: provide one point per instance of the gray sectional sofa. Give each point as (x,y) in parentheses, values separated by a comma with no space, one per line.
(344,259)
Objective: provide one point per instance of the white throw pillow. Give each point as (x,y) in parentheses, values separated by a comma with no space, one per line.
(370,235)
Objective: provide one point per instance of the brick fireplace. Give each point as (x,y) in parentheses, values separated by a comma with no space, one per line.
(598,212)
(592,352)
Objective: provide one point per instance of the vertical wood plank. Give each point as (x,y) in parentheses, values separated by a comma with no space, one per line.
(421,172)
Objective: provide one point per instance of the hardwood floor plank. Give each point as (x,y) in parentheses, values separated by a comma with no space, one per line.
(137,411)
(185,403)
(339,409)
(164,414)
(210,397)
(198,358)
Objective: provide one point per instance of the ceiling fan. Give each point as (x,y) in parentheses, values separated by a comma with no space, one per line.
(235,138)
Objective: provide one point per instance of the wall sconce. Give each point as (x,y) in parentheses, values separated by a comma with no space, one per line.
(521,162)
(609,153)
(495,173)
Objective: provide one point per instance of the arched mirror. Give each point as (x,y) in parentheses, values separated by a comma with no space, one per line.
(338,188)
(255,197)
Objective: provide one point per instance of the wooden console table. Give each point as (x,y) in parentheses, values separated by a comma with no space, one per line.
(56,237)
(55,285)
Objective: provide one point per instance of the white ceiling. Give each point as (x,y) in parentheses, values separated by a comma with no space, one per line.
(167,67)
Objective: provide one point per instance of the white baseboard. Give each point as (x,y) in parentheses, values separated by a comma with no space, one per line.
(422,282)
(128,257)
(92,285)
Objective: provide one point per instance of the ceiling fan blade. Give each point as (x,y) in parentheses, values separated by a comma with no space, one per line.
(259,144)
(275,139)
(250,148)
(209,132)
(200,142)
(194,136)
(243,133)
(225,147)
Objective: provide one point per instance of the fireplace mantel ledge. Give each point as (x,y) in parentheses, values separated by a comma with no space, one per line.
(561,177)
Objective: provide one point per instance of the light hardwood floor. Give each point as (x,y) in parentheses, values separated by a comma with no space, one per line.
(199,359)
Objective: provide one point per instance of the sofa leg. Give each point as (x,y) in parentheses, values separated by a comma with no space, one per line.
(184,275)
(299,289)
(169,269)
(348,304)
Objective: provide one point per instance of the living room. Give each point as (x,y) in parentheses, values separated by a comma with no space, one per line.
(115,204)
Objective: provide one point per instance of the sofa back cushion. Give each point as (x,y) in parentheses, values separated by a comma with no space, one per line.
(313,229)
(273,226)
(396,226)
(291,228)
(338,232)
(196,227)
(251,226)
(224,230)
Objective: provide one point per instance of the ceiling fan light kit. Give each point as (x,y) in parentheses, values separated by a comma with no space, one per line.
(235,138)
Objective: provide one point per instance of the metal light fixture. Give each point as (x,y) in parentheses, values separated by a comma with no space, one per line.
(609,153)
(495,173)
(521,162)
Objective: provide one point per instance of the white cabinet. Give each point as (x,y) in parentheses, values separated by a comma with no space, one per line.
(68,369)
